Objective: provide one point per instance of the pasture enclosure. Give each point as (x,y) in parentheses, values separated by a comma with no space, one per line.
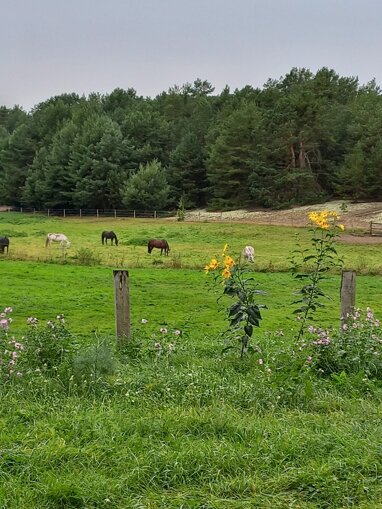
(174,423)
(192,244)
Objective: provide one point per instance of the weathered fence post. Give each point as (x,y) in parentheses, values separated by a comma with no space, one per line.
(48,212)
(115,213)
(347,293)
(122,304)
(155,214)
(80,212)
(134,214)
(97,213)
(64,213)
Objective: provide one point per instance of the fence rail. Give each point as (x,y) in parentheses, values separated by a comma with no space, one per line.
(375,228)
(149,214)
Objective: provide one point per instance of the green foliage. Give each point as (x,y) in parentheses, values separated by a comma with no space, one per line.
(181,212)
(311,266)
(355,348)
(86,256)
(95,363)
(49,348)
(298,140)
(244,314)
(147,189)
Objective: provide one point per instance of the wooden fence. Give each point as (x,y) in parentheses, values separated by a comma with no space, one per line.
(375,228)
(149,214)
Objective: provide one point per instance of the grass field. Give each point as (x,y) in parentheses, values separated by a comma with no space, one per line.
(194,429)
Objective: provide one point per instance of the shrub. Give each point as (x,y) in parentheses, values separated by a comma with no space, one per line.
(94,363)
(86,256)
(355,347)
(49,348)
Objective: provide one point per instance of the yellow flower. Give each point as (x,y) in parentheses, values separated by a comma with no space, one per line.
(226,273)
(214,264)
(324,219)
(341,227)
(225,249)
(228,261)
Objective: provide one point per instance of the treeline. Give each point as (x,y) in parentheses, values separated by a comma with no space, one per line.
(298,140)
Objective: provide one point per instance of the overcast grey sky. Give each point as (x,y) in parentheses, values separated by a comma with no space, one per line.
(49,47)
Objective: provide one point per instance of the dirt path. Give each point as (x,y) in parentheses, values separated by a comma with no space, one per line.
(355,216)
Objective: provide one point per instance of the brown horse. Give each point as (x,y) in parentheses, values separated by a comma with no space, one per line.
(4,243)
(109,235)
(159,244)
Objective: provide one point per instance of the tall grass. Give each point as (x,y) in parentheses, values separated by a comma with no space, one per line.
(143,427)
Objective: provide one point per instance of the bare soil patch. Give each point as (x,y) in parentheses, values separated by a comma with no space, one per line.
(355,217)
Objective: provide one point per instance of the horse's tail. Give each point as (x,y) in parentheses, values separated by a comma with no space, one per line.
(167,247)
(149,248)
(47,241)
(102,237)
(116,240)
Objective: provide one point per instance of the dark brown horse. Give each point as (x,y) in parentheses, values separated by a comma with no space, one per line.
(4,243)
(109,235)
(159,244)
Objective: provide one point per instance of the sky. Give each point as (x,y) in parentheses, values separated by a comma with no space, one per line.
(50,47)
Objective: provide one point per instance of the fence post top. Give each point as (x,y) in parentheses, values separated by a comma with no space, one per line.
(119,271)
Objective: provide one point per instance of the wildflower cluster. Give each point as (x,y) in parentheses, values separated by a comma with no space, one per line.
(10,348)
(313,265)
(224,266)
(244,314)
(49,346)
(163,343)
(355,347)
(325,220)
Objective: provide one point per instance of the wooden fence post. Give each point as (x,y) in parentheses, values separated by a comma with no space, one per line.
(348,287)
(122,304)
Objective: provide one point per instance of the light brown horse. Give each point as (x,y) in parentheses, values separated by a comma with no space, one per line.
(159,244)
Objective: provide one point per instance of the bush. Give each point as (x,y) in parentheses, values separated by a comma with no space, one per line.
(86,256)
(354,348)
(49,348)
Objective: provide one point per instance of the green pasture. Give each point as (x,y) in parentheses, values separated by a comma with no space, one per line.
(195,429)
(178,298)
(192,243)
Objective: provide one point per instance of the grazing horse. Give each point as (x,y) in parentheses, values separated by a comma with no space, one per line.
(57,237)
(248,253)
(159,244)
(109,235)
(4,243)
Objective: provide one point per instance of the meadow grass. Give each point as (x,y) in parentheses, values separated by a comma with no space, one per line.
(194,429)
(192,244)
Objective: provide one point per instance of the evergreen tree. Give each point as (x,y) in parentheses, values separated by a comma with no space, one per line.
(147,189)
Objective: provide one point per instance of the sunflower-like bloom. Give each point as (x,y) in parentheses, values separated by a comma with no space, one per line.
(229,261)
(226,273)
(325,219)
(214,264)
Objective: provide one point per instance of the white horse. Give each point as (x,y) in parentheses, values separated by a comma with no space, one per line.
(57,237)
(248,253)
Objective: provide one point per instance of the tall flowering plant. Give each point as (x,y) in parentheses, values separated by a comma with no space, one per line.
(244,313)
(10,348)
(312,265)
